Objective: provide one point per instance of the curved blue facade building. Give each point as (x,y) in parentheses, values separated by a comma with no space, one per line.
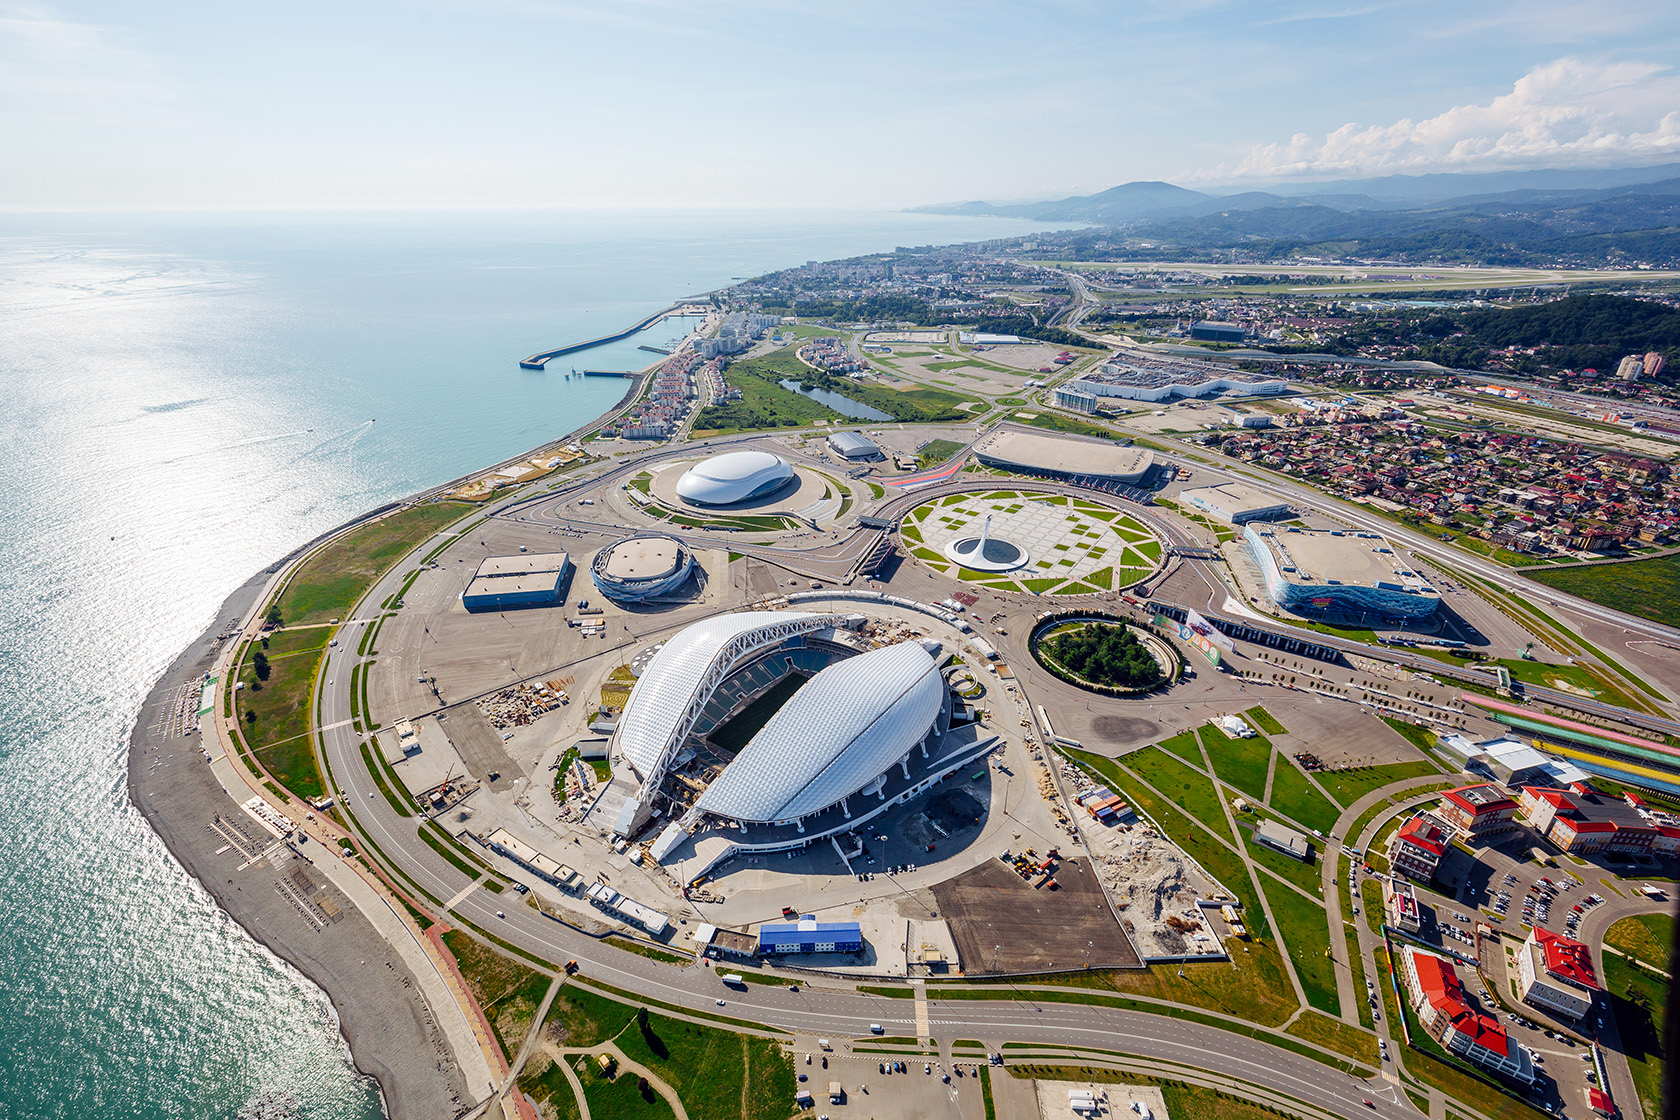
(1313,571)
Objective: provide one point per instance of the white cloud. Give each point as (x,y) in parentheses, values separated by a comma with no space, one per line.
(1570,112)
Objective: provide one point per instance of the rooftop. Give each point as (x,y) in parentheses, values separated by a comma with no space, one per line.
(844,726)
(1565,958)
(643,558)
(1479,799)
(1315,557)
(1234,496)
(524,563)
(1066,454)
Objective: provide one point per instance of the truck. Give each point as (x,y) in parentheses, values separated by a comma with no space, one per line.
(733,979)
(836,1093)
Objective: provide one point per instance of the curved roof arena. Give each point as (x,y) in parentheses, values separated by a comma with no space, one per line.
(733,477)
(682,676)
(848,725)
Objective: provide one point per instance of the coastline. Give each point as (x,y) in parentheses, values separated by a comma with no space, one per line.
(394,1034)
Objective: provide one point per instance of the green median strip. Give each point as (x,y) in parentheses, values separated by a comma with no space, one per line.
(1097,999)
(384,788)
(459,857)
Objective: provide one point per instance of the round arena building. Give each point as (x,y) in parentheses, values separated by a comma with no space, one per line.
(736,476)
(641,568)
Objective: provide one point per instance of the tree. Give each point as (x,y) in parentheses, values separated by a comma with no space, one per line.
(272,618)
(259,662)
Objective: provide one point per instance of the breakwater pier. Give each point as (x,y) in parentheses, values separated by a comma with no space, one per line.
(541,360)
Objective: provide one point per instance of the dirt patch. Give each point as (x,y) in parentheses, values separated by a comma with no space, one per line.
(950,815)
(1000,924)
(1124,729)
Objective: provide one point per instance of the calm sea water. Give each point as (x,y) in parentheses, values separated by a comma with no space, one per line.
(186,399)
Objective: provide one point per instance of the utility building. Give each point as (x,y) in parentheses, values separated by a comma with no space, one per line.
(525,580)
(808,935)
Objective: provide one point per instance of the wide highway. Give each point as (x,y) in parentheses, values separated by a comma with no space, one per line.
(843,1012)
(818,1010)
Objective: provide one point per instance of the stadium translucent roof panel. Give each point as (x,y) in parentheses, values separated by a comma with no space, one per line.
(683,674)
(845,727)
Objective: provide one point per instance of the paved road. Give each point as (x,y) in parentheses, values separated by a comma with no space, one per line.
(819,1011)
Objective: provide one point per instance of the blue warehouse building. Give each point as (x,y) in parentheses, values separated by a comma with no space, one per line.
(526,580)
(808,935)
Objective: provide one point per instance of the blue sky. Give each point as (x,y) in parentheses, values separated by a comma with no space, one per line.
(652,103)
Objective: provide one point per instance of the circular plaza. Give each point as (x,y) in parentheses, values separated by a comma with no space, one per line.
(1044,544)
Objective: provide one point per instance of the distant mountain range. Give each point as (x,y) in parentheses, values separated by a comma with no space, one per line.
(1502,218)
(1131,202)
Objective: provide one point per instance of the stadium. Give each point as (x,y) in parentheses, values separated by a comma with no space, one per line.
(734,477)
(644,568)
(768,730)
(1350,573)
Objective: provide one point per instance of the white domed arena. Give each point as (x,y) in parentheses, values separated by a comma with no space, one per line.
(736,476)
(778,728)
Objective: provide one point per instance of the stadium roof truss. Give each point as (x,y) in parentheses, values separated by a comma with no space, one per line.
(677,683)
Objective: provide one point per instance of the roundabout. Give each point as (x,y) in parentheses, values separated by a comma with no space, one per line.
(1036,543)
(1103,653)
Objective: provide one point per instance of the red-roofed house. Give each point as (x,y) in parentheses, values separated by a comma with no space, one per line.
(1416,848)
(1585,821)
(1438,998)
(1482,814)
(1555,974)
(1599,1101)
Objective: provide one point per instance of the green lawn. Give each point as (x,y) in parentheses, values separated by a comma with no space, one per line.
(1333,1034)
(1294,796)
(1348,786)
(937,451)
(336,577)
(1647,937)
(279,735)
(509,992)
(718,1074)
(764,403)
(1184,745)
(1191,790)
(1308,876)
(623,1097)
(1647,588)
(1306,934)
(1239,762)
(1264,720)
(1638,1000)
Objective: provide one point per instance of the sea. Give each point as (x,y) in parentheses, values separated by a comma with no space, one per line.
(187,397)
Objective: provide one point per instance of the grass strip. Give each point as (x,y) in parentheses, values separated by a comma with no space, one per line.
(396,803)
(1124,1003)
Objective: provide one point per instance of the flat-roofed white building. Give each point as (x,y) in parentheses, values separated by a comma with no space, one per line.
(1065,456)
(1236,503)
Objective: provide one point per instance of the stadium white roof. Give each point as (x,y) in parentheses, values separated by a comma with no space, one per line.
(847,725)
(682,676)
(733,477)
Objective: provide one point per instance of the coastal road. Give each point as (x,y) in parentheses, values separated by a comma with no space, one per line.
(820,1011)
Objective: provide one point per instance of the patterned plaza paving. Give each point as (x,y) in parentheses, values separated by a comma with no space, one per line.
(1075,546)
